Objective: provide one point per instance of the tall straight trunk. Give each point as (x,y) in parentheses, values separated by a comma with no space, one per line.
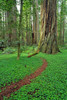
(19,34)
(9,18)
(63,32)
(48,42)
(0,24)
(33,32)
(62,26)
(62,22)
(60,36)
(5,22)
(37,22)
(14,28)
(27,35)
(11,26)
(3,26)
(29,26)
(34,39)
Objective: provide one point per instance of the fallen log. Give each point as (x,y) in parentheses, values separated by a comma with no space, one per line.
(33,54)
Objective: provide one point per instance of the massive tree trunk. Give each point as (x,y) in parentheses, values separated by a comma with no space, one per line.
(48,41)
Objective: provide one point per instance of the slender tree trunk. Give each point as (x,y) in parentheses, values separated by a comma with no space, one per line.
(60,36)
(3,27)
(0,25)
(9,18)
(14,29)
(37,22)
(48,42)
(63,32)
(61,25)
(20,22)
(6,25)
(29,26)
(62,22)
(27,35)
(34,39)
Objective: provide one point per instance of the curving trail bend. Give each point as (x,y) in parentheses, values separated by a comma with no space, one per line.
(27,80)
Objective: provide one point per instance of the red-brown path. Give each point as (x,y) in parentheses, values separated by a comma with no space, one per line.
(27,80)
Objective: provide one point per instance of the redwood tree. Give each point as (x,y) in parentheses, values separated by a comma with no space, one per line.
(48,41)
(19,33)
(36,22)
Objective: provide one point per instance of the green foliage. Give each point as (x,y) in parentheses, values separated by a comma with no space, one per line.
(6,5)
(12,70)
(61,20)
(63,47)
(3,43)
(9,51)
(51,84)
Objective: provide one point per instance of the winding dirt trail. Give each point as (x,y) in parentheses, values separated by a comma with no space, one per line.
(27,80)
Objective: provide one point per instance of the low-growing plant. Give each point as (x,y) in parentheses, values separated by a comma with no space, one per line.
(9,50)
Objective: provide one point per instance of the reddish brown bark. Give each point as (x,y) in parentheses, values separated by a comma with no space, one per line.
(48,42)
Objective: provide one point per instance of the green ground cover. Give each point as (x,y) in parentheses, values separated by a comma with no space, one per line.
(51,84)
(12,70)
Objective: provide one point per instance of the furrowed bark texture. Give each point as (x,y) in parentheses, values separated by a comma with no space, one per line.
(48,41)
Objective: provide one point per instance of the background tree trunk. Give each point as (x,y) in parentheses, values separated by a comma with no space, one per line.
(63,32)
(37,21)
(20,23)
(34,24)
(62,23)
(14,28)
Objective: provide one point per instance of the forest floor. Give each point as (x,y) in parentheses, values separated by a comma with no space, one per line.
(7,90)
(51,84)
